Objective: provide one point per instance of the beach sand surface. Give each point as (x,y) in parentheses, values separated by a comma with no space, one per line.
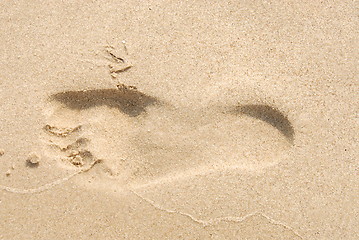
(179,120)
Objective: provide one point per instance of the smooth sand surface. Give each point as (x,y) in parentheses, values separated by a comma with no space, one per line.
(179,120)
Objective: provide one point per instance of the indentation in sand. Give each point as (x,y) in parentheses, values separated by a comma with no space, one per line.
(129,101)
(269,115)
(69,154)
(147,139)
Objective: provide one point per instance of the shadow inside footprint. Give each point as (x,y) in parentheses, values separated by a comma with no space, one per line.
(129,101)
(269,115)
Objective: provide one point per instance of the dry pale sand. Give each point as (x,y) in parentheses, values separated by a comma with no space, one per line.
(179,119)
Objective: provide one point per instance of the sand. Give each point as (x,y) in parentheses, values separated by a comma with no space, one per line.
(179,120)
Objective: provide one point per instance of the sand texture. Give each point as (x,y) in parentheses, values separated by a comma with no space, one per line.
(179,120)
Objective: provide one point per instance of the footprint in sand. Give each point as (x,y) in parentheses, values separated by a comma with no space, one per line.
(139,137)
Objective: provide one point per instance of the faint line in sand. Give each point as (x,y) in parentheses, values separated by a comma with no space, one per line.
(214,221)
(48,186)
